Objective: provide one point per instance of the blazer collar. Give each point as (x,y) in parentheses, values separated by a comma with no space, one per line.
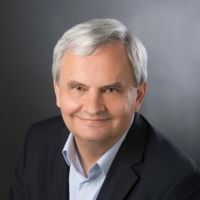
(121,176)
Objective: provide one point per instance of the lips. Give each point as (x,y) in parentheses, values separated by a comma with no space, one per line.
(94,119)
(97,122)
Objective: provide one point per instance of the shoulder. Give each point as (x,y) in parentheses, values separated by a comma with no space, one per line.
(48,124)
(168,154)
(166,161)
(158,149)
(46,132)
(41,157)
(162,160)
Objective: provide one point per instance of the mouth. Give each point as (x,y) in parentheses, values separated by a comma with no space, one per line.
(94,119)
(94,122)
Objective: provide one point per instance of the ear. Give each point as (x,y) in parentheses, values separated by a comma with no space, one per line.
(57,92)
(141,91)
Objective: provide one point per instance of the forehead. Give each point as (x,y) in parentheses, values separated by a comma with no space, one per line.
(109,62)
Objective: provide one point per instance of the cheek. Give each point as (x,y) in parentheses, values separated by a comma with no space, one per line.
(121,107)
(68,104)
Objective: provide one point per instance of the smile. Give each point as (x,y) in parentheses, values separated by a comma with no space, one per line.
(94,119)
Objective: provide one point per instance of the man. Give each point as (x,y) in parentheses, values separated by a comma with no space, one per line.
(101,148)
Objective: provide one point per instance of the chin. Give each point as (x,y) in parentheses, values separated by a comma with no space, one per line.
(93,136)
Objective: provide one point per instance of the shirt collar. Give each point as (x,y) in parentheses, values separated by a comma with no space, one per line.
(107,158)
(104,162)
(69,151)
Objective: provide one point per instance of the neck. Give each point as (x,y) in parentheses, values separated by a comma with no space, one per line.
(90,152)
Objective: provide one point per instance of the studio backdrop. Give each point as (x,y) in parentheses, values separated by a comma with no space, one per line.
(170,30)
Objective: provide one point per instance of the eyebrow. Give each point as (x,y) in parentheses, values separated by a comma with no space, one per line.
(113,85)
(74,83)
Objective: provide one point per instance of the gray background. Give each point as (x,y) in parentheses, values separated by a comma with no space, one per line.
(29,30)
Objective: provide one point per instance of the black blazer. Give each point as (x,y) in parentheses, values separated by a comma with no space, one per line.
(146,167)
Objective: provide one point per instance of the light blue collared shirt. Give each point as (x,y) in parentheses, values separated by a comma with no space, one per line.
(80,186)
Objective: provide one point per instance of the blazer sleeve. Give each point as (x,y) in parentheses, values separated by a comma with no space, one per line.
(185,188)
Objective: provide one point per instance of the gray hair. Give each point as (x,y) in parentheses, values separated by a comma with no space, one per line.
(83,39)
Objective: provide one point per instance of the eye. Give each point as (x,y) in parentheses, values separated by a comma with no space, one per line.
(110,90)
(77,87)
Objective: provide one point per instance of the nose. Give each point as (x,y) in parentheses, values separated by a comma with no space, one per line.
(94,104)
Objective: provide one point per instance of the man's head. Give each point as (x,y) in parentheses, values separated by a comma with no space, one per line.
(100,75)
(83,39)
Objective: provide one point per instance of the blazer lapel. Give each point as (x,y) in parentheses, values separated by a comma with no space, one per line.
(60,171)
(121,177)
(118,184)
(60,186)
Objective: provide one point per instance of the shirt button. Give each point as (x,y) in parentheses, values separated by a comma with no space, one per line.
(86,183)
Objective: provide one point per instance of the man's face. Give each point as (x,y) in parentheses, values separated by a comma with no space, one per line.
(96,94)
